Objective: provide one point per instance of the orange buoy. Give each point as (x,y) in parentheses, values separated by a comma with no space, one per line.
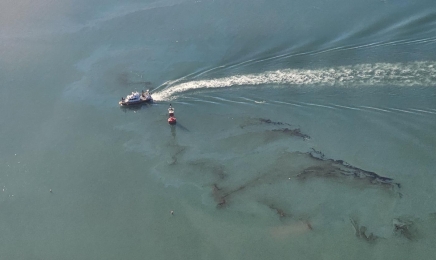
(172,120)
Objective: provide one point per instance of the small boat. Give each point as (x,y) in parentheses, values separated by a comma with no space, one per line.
(171,118)
(136,98)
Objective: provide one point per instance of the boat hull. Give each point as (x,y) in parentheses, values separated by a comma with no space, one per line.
(137,102)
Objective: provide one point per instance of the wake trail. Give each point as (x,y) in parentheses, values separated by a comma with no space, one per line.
(422,73)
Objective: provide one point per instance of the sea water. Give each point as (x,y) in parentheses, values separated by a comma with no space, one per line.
(259,88)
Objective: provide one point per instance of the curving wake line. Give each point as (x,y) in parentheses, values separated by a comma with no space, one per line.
(421,73)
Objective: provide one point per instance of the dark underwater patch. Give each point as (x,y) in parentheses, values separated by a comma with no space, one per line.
(405,227)
(340,167)
(362,232)
(304,166)
(292,132)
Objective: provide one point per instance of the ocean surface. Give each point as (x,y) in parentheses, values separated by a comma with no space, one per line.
(305,129)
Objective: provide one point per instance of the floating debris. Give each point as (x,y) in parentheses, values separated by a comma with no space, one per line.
(361,231)
(292,132)
(178,151)
(216,191)
(305,221)
(269,121)
(259,121)
(339,167)
(279,211)
(302,166)
(405,228)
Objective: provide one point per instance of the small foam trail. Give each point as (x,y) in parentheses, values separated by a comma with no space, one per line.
(421,73)
(423,111)
(286,103)
(252,100)
(352,108)
(404,111)
(378,109)
(209,70)
(212,102)
(318,105)
(206,101)
(229,100)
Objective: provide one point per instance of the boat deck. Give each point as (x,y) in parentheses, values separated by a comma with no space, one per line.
(140,101)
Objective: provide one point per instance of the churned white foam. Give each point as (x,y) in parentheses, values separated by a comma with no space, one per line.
(421,73)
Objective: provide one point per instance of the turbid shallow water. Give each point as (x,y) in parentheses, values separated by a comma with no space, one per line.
(305,130)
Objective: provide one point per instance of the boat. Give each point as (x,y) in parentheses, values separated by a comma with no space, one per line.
(136,98)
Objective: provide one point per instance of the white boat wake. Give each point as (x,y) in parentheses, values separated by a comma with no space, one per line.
(422,73)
